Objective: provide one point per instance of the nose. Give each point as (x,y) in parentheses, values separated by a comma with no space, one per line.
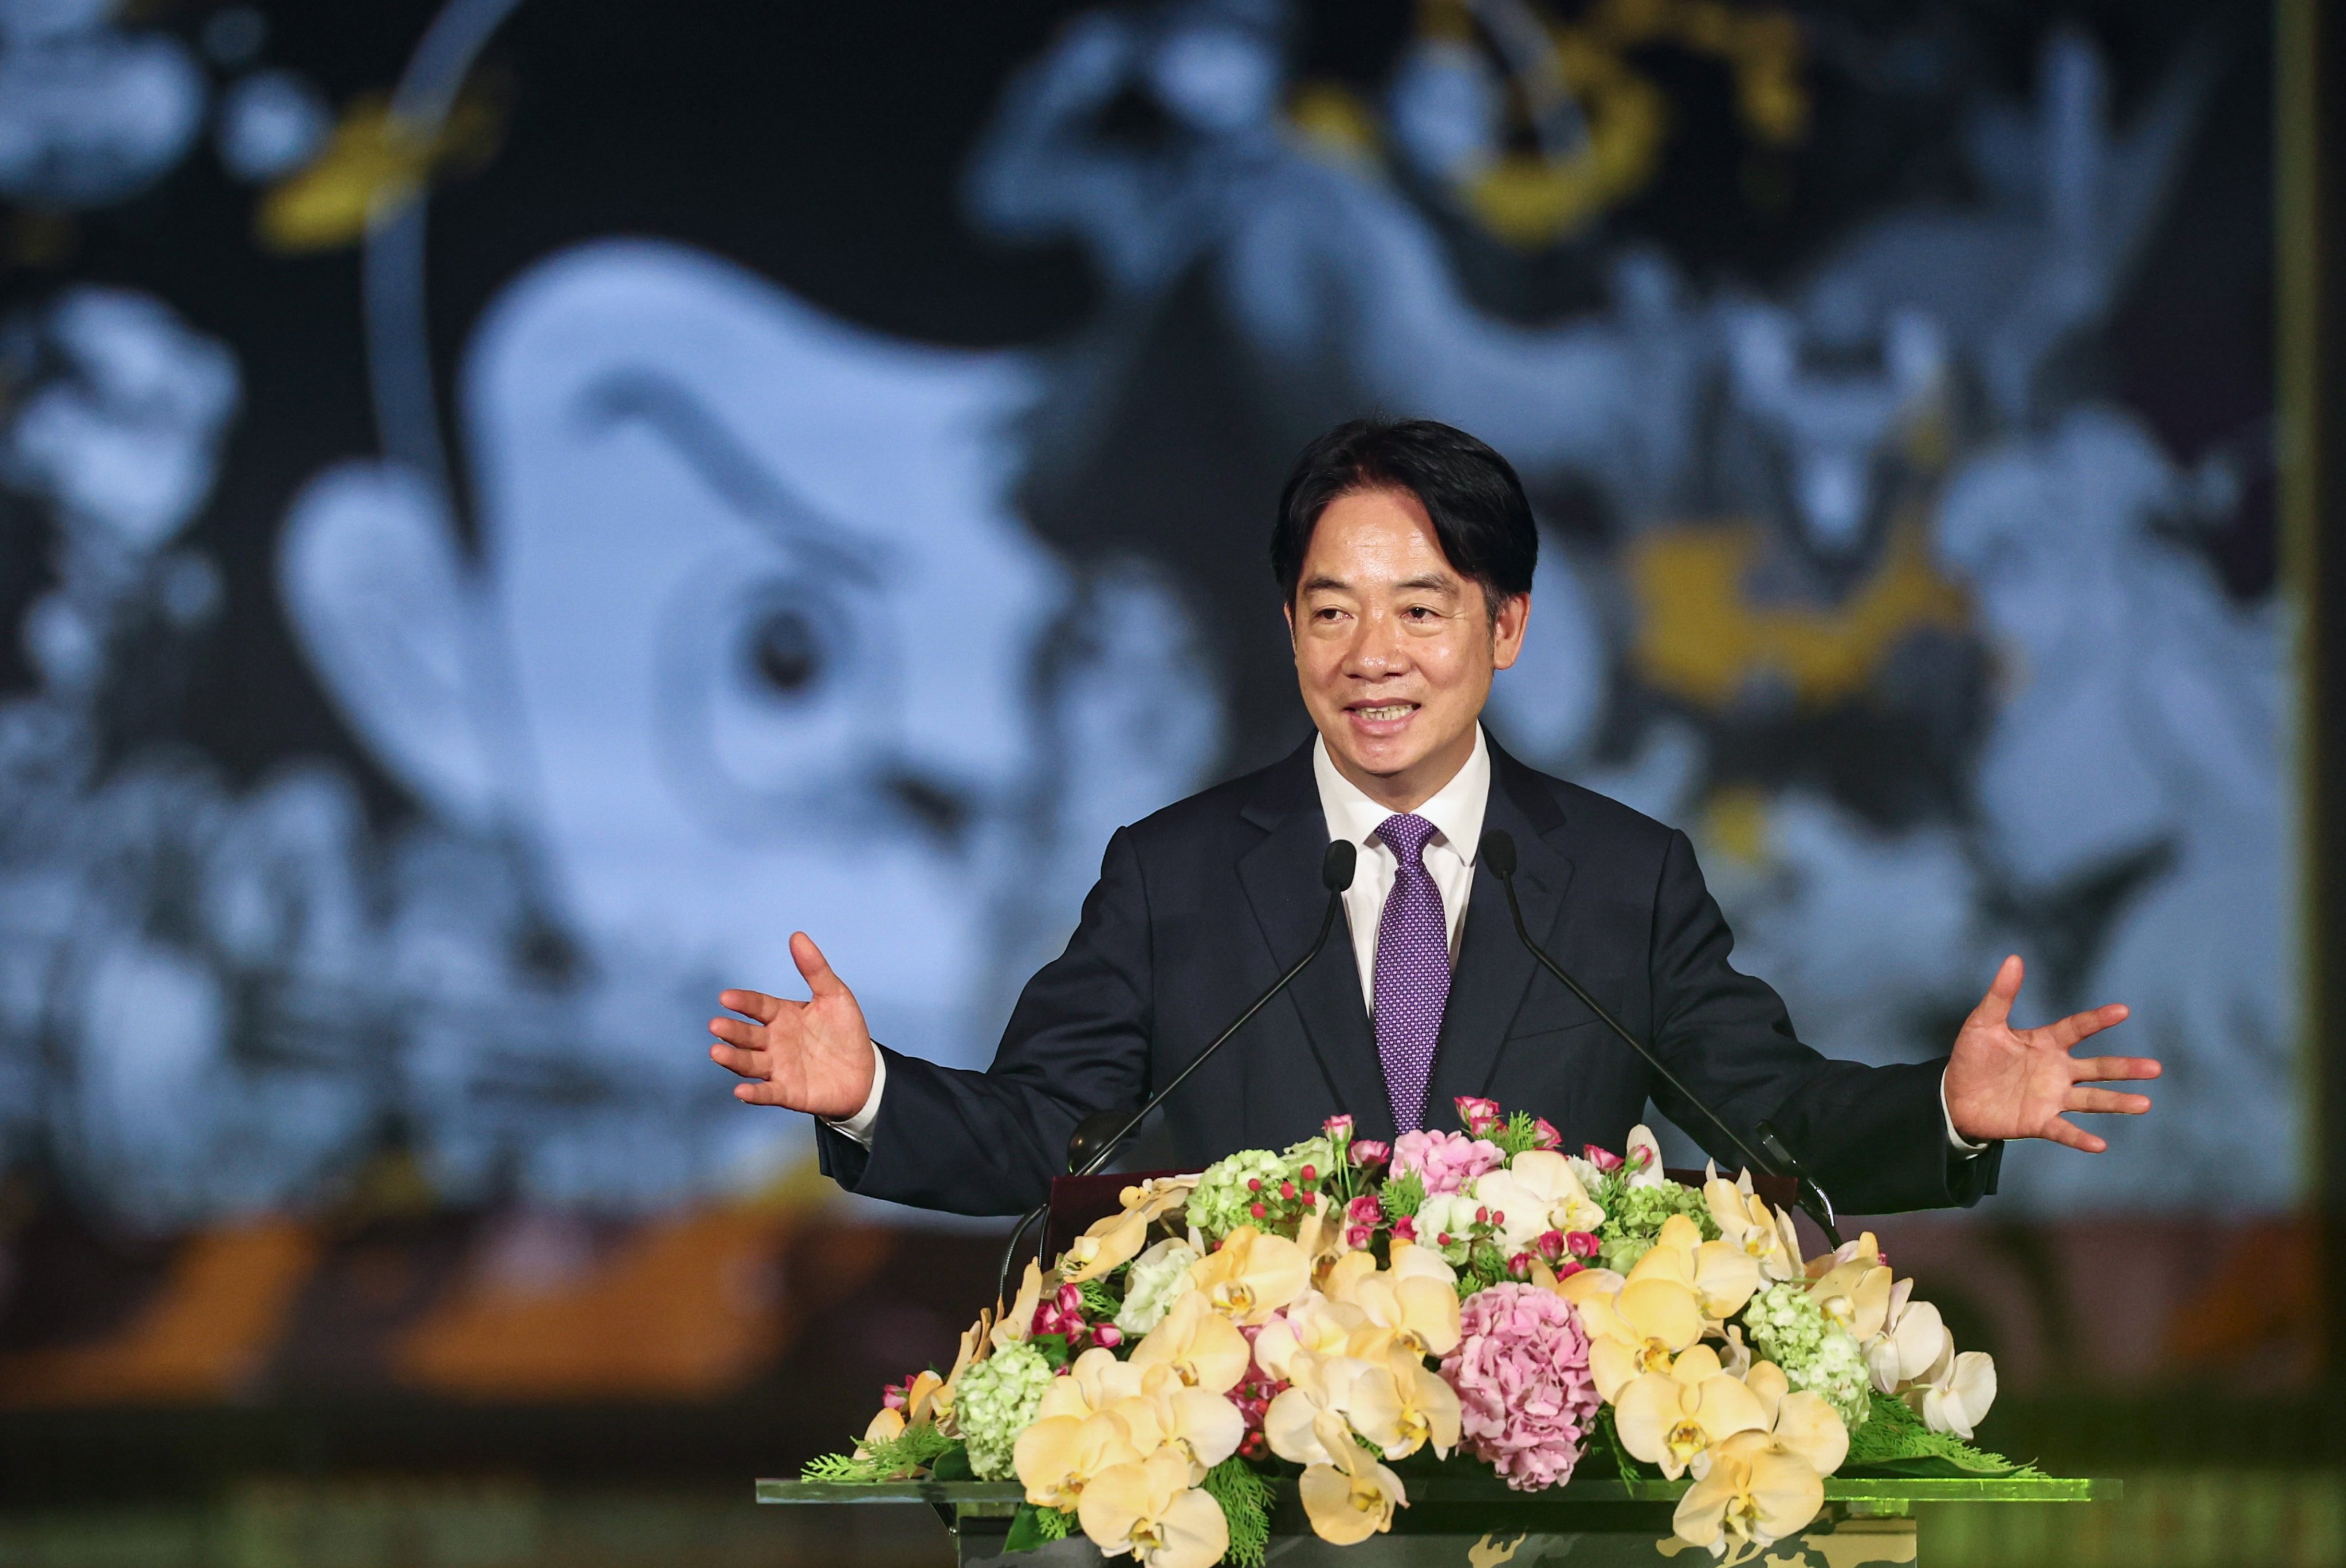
(1376,653)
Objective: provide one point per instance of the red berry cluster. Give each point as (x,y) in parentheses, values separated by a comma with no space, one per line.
(1253,1396)
(1286,1204)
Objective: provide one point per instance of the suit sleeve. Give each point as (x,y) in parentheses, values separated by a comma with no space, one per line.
(989,1143)
(1875,1138)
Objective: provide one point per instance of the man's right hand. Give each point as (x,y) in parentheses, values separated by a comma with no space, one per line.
(814,1055)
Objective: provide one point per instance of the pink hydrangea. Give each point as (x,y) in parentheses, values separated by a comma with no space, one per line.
(1524,1394)
(1446,1162)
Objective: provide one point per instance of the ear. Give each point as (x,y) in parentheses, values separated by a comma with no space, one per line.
(386,610)
(1507,630)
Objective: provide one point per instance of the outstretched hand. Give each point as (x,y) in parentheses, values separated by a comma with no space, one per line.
(2007,1083)
(813,1055)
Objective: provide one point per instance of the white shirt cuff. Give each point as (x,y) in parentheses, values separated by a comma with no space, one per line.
(1956,1140)
(859,1125)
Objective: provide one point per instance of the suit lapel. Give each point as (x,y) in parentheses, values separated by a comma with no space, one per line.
(1282,879)
(1494,971)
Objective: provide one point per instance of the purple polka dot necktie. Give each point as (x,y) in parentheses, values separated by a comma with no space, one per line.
(1412,978)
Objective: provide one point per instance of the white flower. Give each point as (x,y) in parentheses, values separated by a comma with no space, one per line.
(1956,1391)
(1158,1277)
(1649,1172)
(1450,1213)
(1912,1340)
(1537,1193)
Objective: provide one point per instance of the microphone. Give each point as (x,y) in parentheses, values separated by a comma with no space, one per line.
(1498,852)
(1098,1135)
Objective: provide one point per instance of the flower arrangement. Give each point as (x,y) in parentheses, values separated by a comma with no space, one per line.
(1349,1313)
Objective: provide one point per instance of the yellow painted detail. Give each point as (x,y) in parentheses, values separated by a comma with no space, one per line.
(1702,638)
(373,165)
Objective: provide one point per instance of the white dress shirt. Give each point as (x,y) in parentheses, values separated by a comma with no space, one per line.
(1456,812)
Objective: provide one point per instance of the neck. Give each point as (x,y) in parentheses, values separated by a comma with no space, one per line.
(1416,785)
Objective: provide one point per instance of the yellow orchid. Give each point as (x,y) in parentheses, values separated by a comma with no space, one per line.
(1801,1422)
(1671,1419)
(1722,1278)
(1158,1196)
(1311,1322)
(1351,1497)
(1634,1326)
(885,1427)
(1748,1223)
(1109,1243)
(1401,1406)
(1092,1383)
(1912,1339)
(1204,1349)
(1754,1492)
(1018,1320)
(1412,1260)
(1320,1236)
(1536,1192)
(1148,1508)
(1206,1427)
(1417,1311)
(1058,1457)
(1251,1275)
(1955,1392)
(1853,1287)
(1317,1386)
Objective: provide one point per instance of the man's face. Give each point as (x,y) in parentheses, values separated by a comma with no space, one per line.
(1394,648)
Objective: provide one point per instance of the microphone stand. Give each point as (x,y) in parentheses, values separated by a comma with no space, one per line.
(1336,875)
(1498,852)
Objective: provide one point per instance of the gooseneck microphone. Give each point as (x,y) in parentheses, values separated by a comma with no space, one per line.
(1098,1135)
(1498,852)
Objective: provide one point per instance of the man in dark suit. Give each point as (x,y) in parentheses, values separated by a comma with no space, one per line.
(1405,551)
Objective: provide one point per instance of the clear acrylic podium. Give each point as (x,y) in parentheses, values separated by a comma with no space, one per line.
(1478,1523)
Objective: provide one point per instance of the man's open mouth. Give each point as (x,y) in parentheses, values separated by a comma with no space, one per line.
(1383,712)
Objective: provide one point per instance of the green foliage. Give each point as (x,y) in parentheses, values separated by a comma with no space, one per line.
(1403,1196)
(1604,1438)
(1100,1303)
(1520,1132)
(1032,1527)
(883,1459)
(996,1400)
(1633,1215)
(1815,1352)
(1896,1438)
(1245,1498)
(1222,1200)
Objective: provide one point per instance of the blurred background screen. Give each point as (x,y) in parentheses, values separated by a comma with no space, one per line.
(509,509)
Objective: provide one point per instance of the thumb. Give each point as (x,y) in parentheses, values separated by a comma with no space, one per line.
(814,967)
(1995,1007)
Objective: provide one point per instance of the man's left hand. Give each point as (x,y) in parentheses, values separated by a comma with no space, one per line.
(2007,1083)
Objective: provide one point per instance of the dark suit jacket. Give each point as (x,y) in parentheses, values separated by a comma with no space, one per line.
(1201,906)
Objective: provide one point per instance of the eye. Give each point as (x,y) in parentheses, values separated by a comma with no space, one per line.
(783,652)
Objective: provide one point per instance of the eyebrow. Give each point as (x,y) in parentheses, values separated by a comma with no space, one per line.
(1422,584)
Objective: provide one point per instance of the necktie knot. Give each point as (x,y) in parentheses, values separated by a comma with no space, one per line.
(1406,836)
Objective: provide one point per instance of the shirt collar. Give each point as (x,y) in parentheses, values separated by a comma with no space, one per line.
(1455,810)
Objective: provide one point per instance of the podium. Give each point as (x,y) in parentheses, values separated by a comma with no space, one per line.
(1476,1521)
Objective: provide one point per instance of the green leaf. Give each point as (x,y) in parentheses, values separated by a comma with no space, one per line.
(1031,1527)
(881,1459)
(1245,1498)
(1895,1442)
(953,1465)
(1100,1303)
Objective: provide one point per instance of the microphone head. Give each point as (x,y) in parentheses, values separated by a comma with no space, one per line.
(1336,865)
(1499,853)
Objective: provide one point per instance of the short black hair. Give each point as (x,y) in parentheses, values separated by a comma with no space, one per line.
(1470,493)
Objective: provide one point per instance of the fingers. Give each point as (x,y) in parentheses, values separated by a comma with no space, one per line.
(2060,1130)
(765,1009)
(733,1032)
(814,967)
(2113,1069)
(1997,1005)
(2106,1102)
(2077,1025)
(740,1063)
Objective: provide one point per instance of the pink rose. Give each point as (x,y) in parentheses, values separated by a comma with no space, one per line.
(1479,1115)
(1335,1127)
(1446,1162)
(1368,1152)
(1545,1136)
(1603,1159)
(1526,1398)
